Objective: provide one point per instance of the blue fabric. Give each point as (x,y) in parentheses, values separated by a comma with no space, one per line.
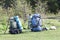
(36,29)
(36,20)
(19,25)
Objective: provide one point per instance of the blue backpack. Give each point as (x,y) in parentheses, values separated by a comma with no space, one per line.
(34,21)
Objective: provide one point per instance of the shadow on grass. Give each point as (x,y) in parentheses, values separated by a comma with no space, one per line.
(4,33)
(24,32)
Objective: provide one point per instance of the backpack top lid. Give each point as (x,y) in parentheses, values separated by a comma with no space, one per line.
(16,17)
(37,15)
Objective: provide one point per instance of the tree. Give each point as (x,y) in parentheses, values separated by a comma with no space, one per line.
(52,5)
(33,4)
(6,5)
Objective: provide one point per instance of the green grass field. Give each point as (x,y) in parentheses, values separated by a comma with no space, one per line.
(43,35)
(27,35)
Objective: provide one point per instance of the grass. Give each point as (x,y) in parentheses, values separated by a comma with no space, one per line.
(43,35)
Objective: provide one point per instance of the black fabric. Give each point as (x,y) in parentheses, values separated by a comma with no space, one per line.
(15,31)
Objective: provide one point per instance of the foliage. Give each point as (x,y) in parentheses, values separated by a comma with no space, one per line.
(33,4)
(22,8)
(53,5)
(9,3)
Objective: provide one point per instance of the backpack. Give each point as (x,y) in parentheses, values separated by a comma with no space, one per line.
(15,26)
(35,20)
